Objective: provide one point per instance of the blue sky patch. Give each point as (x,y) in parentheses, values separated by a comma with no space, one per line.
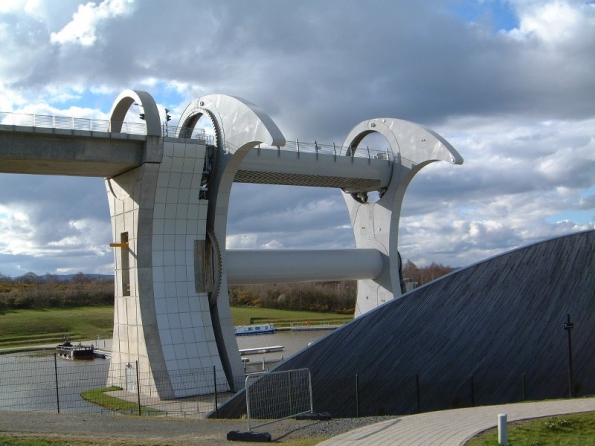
(164,95)
(84,99)
(577,217)
(497,14)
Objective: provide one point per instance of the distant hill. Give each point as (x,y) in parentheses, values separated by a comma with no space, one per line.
(34,278)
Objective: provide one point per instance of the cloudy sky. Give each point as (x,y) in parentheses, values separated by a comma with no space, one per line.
(509,83)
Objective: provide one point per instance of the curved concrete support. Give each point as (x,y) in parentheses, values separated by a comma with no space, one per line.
(240,126)
(237,121)
(169,208)
(149,108)
(162,320)
(246,267)
(376,225)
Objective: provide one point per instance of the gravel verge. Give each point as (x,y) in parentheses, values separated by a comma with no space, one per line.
(123,430)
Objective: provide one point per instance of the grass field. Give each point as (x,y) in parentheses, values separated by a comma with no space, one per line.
(562,430)
(245,316)
(38,327)
(19,328)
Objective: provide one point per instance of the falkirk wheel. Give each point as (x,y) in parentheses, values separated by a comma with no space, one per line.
(169,220)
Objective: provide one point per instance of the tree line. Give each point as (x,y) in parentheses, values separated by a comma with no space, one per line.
(423,275)
(326,297)
(49,291)
(334,297)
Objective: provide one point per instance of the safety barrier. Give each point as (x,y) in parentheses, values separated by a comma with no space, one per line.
(92,125)
(276,396)
(41,382)
(173,131)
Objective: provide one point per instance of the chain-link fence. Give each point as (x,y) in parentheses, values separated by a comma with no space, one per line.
(31,382)
(358,396)
(278,395)
(44,382)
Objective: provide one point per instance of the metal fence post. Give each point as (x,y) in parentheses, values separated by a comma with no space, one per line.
(310,390)
(523,387)
(56,376)
(569,326)
(248,411)
(417,392)
(356,396)
(472,392)
(138,388)
(289,388)
(215,384)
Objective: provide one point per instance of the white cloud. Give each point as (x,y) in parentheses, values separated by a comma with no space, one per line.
(517,106)
(15,5)
(242,241)
(85,21)
(17,232)
(552,21)
(517,177)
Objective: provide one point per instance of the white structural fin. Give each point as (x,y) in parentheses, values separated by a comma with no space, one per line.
(376,225)
(148,109)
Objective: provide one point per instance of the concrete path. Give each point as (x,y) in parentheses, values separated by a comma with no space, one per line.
(452,427)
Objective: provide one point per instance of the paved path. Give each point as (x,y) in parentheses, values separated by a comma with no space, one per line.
(452,427)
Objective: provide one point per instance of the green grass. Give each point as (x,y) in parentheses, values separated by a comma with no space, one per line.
(561,430)
(36,327)
(98,396)
(21,328)
(245,316)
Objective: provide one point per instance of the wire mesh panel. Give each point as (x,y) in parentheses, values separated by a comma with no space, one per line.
(40,381)
(278,395)
(77,377)
(28,385)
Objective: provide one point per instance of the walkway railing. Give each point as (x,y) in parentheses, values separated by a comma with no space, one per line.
(327,149)
(68,123)
(139,128)
(89,124)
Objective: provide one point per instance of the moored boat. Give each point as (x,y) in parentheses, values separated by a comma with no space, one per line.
(246,330)
(68,350)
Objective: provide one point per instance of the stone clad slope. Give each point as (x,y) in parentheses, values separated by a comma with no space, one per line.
(486,334)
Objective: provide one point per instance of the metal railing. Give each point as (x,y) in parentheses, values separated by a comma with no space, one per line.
(172,131)
(69,123)
(91,125)
(325,149)
(358,395)
(333,149)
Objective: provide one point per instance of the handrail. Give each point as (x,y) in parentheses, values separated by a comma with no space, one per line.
(333,149)
(68,123)
(139,128)
(88,124)
(173,131)
(325,149)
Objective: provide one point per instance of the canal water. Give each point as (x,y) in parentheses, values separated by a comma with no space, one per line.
(38,381)
(291,341)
